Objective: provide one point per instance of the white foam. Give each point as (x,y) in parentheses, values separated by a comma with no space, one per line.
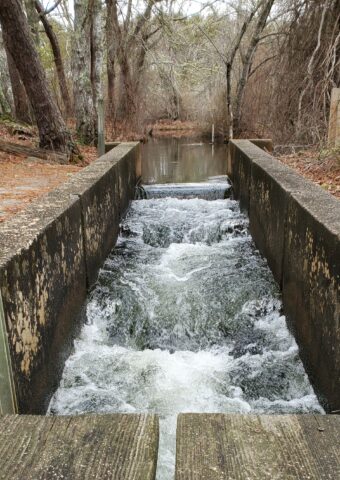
(185,318)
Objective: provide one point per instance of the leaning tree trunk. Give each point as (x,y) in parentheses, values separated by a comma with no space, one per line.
(53,132)
(21,104)
(81,66)
(58,60)
(229,62)
(247,61)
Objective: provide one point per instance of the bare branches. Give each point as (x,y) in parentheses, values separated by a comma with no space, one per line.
(222,56)
(50,9)
(309,78)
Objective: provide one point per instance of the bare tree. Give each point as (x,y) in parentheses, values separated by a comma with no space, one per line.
(295,69)
(248,57)
(97,48)
(21,104)
(132,38)
(111,57)
(53,132)
(58,60)
(81,69)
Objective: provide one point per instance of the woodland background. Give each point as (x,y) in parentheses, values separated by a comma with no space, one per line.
(258,68)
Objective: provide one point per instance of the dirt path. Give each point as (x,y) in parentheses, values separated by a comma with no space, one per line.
(22,181)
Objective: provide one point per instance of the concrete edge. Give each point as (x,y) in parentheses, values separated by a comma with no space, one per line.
(50,255)
(296,226)
(8,401)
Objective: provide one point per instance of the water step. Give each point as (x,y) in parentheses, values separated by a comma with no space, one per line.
(120,447)
(208,191)
(258,447)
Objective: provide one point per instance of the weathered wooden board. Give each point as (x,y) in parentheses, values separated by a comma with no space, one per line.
(258,447)
(86,447)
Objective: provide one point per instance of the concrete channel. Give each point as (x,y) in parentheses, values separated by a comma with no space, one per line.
(50,256)
(296,226)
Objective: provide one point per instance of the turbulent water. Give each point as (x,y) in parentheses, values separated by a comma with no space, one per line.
(185,317)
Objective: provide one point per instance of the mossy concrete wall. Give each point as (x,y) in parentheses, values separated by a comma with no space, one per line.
(50,255)
(296,226)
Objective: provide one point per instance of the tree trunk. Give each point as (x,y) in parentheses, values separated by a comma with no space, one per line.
(247,61)
(111,57)
(128,100)
(229,61)
(58,61)
(86,122)
(96,51)
(229,104)
(53,132)
(33,20)
(21,104)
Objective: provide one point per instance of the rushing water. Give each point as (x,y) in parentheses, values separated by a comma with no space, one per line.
(185,317)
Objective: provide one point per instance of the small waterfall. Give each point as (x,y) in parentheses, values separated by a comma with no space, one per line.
(207,191)
(185,316)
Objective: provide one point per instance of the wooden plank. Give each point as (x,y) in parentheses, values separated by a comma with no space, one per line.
(25,151)
(323,439)
(257,447)
(85,447)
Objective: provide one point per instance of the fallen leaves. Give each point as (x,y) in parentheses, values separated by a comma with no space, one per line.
(320,166)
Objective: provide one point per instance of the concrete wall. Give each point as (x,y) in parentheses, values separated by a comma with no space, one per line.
(50,255)
(296,226)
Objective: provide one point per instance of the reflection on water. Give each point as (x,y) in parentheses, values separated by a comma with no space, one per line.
(176,160)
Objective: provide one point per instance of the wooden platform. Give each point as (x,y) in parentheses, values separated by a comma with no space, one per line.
(251,447)
(89,447)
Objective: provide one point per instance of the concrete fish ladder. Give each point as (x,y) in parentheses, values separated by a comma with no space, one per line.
(296,226)
(50,255)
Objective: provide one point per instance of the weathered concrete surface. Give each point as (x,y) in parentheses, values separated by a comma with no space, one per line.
(296,226)
(311,285)
(8,401)
(43,284)
(265,144)
(127,177)
(90,447)
(239,170)
(105,189)
(255,447)
(110,145)
(49,255)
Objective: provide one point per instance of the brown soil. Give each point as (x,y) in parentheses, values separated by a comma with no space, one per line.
(322,167)
(23,180)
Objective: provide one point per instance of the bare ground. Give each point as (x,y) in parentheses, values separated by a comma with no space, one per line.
(320,166)
(22,180)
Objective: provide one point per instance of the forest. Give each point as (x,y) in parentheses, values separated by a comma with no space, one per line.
(253,68)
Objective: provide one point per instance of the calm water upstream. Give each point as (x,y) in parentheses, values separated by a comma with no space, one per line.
(185,317)
(182,160)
